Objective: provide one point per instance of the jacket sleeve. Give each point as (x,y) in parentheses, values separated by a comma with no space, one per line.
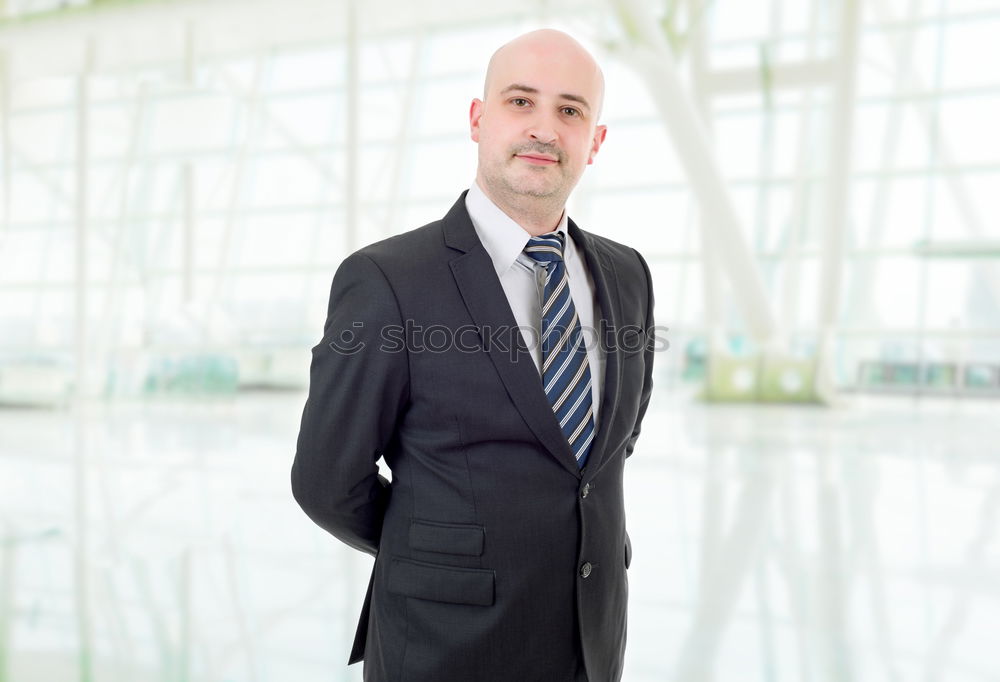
(647,378)
(358,388)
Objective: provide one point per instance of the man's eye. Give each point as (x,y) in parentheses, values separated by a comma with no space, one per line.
(519,102)
(570,111)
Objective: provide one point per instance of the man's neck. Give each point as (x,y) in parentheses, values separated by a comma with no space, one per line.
(535,216)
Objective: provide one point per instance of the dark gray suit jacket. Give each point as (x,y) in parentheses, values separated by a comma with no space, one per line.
(496,557)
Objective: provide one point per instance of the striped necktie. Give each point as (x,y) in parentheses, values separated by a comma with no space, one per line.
(565,370)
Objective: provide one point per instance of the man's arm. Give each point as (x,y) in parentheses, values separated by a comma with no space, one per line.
(647,379)
(357,390)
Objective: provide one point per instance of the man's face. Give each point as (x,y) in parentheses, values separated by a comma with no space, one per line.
(537,129)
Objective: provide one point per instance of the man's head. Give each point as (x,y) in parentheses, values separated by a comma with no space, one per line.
(536,125)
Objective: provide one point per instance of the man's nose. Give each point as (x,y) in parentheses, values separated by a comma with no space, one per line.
(542,130)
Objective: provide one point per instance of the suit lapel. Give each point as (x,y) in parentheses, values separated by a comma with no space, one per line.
(487,304)
(602,271)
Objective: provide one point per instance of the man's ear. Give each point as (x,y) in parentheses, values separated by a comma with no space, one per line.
(600,132)
(475,113)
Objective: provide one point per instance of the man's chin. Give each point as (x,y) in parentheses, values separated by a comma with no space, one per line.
(527,186)
(536,192)
(531,187)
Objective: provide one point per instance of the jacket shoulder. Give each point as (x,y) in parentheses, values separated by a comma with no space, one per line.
(623,255)
(401,250)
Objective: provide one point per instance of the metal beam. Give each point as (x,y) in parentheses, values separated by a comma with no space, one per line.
(5,141)
(964,249)
(81,559)
(652,57)
(710,271)
(352,129)
(837,198)
(81,227)
(811,72)
(792,251)
(402,146)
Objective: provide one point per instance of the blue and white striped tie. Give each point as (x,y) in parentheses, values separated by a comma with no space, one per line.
(565,370)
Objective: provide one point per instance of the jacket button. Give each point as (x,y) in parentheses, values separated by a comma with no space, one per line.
(585,491)
(585,569)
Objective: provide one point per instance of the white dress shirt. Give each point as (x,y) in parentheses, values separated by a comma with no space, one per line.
(523,279)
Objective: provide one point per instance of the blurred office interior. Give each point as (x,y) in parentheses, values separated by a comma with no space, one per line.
(815,184)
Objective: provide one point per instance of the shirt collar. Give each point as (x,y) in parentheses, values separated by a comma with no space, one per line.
(502,237)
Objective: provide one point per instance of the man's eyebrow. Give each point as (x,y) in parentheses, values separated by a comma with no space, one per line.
(534,91)
(519,87)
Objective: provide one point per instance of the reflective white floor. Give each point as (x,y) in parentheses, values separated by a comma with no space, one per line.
(159,542)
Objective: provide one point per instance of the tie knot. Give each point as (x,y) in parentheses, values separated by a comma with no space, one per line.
(546,248)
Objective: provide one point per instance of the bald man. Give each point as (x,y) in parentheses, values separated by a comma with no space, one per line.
(498,361)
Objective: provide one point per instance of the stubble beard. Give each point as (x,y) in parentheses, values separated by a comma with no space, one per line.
(526,194)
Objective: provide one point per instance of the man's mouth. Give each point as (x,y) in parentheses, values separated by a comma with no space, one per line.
(538,159)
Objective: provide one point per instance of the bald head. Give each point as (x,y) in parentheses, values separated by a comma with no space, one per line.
(546,50)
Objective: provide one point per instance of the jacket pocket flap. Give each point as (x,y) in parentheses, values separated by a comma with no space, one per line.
(446,538)
(441,583)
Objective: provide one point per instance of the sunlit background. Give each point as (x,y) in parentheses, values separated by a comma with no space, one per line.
(815,184)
